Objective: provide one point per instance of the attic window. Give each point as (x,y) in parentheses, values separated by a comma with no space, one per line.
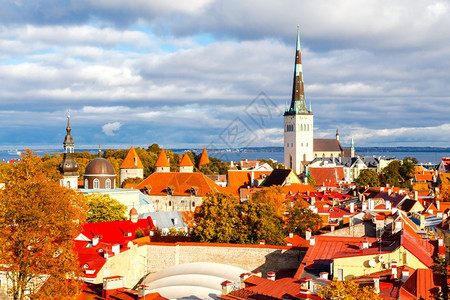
(170,189)
(193,190)
(147,189)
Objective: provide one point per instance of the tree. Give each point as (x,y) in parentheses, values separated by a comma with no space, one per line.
(368,177)
(132,180)
(312,181)
(407,169)
(103,208)
(300,218)
(440,267)
(348,290)
(217,219)
(391,174)
(39,220)
(274,195)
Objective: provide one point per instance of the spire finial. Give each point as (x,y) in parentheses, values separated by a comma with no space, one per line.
(99,150)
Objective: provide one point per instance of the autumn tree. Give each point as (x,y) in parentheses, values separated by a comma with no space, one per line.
(103,208)
(217,219)
(274,195)
(367,177)
(312,181)
(39,220)
(348,290)
(299,218)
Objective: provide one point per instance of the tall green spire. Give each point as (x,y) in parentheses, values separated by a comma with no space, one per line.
(298,105)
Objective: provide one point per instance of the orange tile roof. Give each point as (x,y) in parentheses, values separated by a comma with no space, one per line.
(204,159)
(132,160)
(162,160)
(182,182)
(325,175)
(238,178)
(298,188)
(421,284)
(186,161)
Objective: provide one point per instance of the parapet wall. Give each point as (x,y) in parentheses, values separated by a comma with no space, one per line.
(264,258)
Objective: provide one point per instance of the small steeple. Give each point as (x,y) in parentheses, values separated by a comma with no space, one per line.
(162,163)
(337,134)
(68,167)
(204,159)
(352,148)
(298,105)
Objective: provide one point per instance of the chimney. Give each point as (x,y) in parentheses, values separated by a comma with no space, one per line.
(440,241)
(115,249)
(291,235)
(394,268)
(323,275)
(262,242)
(141,291)
(227,287)
(371,204)
(388,205)
(112,284)
(352,207)
(389,191)
(231,164)
(365,243)
(308,234)
(376,284)
(243,277)
(312,241)
(416,195)
(313,200)
(252,179)
(258,273)
(438,205)
(364,206)
(95,240)
(271,275)
(405,275)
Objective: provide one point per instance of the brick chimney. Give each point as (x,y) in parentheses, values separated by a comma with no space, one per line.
(227,287)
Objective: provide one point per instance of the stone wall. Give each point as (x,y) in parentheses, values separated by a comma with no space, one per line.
(248,257)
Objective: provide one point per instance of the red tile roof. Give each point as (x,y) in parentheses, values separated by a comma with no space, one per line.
(162,160)
(325,175)
(186,161)
(204,159)
(132,160)
(420,284)
(182,182)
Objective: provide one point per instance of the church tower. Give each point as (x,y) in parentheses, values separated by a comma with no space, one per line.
(69,167)
(298,122)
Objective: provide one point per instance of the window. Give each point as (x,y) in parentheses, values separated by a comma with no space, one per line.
(68,184)
(340,273)
(86,184)
(170,203)
(108,183)
(96,183)
(193,203)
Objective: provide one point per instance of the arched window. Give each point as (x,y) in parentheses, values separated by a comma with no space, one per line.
(108,183)
(290,161)
(96,183)
(68,183)
(86,183)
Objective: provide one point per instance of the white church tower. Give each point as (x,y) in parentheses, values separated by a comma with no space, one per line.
(298,122)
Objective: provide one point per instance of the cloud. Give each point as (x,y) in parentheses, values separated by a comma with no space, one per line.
(110,128)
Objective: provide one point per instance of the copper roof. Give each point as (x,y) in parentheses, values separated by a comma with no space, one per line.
(100,166)
(325,145)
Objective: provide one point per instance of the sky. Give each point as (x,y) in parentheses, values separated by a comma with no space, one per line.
(218,74)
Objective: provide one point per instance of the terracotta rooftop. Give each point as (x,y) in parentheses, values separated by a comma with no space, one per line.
(186,161)
(323,175)
(162,160)
(132,160)
(421,284)
(204,159)
(181,182)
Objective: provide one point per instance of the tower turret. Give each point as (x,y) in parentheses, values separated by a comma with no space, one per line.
(68,167)
(298,121)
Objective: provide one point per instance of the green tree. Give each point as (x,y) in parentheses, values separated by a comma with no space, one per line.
(273,164)
(299,218)
(217,219)
(367,177)
(312,181)
(406,170)
(39,220)
(103,208)
(263,222)
(132,180)
(391,174)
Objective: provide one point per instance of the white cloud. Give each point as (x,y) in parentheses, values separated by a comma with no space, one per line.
(110,128)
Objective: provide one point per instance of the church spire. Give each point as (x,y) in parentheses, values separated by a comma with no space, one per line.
(298,105)
(68,140)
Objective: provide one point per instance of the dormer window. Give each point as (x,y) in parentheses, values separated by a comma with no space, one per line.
(127,234)
(86,266)
(193,190)
(170,189)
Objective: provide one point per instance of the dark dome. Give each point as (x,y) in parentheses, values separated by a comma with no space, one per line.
(68,166)
(99,166)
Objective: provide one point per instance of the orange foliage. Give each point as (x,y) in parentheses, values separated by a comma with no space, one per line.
(39,222)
